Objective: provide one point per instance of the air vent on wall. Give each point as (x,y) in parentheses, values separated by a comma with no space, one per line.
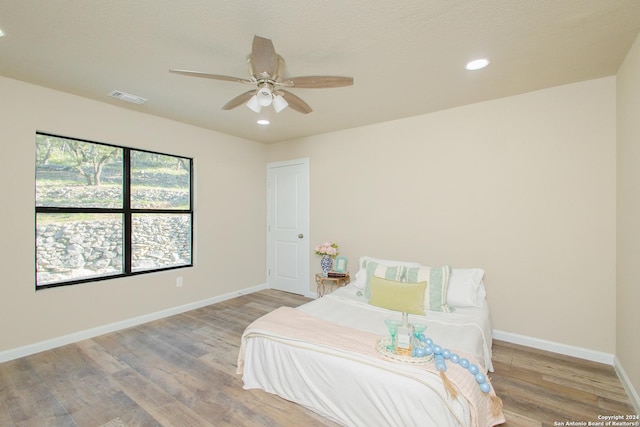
(127,97)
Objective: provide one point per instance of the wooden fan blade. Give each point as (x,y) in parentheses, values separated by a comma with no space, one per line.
(318,82)
(238,100)
(296,103)
(263,58)
(210,76)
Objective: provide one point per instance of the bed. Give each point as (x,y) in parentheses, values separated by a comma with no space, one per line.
(322,355)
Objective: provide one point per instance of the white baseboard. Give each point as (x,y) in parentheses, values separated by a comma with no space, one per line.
(555,347)
(626,383)
(26,350)
(310,294)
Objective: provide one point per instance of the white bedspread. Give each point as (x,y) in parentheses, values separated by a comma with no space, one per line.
(359,390)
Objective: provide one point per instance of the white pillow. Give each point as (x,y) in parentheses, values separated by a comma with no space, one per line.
(361,276)
(466,288)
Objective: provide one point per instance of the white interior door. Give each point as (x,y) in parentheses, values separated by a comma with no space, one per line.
(288,226)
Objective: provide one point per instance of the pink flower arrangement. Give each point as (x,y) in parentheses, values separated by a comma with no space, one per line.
(327,248)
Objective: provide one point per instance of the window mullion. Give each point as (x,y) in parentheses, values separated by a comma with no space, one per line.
(126,204)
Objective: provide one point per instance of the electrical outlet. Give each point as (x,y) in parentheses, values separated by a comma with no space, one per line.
(179,282)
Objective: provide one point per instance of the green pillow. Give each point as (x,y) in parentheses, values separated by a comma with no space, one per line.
(435,297)
(399,296)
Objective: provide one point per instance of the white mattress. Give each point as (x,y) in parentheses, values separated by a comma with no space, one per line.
(358,390)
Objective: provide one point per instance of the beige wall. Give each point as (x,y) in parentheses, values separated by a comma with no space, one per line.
(229,226)
(628,233)
(523,187)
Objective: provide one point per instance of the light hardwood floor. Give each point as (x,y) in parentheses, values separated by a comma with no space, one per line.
(180,371)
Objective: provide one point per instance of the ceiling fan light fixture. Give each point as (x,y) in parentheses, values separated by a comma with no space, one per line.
(265,96)
(279,103)
(254,105)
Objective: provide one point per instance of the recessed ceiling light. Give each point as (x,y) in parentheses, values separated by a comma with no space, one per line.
(1,33)
(263,122)
(477,64)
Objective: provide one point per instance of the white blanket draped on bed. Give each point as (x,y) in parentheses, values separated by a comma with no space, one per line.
(336,372)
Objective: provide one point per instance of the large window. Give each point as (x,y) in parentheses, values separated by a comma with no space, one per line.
(104,211)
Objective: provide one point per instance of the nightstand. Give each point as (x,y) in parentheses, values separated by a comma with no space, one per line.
(333,282)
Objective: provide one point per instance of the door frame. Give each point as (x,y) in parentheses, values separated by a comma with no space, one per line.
(305,267)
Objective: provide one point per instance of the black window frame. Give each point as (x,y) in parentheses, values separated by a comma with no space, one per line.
(126,211)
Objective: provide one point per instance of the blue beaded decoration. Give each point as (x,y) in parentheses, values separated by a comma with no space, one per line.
(441,355)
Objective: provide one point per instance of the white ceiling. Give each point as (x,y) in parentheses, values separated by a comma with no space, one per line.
(406,57)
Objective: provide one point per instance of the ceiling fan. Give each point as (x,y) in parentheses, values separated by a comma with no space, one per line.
(265,72)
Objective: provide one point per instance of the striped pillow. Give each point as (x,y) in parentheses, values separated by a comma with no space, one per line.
(437,278)
(388,272)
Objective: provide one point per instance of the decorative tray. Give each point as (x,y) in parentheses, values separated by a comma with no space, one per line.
(381,347)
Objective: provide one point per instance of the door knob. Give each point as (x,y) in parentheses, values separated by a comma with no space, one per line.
(300,236)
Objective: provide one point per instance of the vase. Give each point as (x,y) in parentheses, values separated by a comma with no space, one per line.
(325,263)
